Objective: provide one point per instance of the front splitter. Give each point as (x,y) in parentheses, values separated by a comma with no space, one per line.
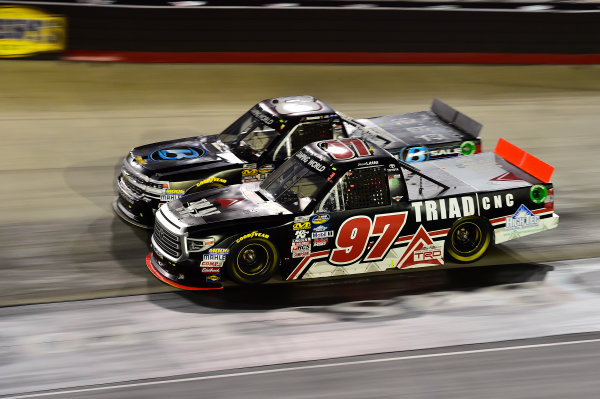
(163,276)
(129,217)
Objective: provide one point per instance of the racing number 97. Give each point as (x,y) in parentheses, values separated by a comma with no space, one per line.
(353,237)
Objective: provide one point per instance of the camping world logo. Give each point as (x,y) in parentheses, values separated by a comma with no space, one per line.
(522,219)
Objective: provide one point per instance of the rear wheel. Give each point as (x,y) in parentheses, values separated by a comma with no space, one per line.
(252,261)
(468,239)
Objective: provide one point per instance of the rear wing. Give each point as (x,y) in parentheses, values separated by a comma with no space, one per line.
(524,161)
(441,122)
(455,118)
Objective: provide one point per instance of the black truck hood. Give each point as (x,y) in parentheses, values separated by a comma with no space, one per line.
(187,155)
(225,204)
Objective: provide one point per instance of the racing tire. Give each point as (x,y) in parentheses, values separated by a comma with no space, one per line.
(252,261)
(468,239)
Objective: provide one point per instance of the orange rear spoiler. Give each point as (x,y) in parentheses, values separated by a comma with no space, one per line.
(524,161)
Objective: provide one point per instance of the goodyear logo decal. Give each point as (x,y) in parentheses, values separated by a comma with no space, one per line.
(26,31)
(251,235)
(211,180)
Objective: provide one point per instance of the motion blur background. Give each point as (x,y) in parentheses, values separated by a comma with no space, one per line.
(80,314)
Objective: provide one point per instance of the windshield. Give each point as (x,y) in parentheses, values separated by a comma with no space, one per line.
(251,132)
(294,185)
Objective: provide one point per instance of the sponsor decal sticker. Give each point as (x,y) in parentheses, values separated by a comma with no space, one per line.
(262,117)
(254,234)
(320,219)
(301,219)
(213,256)
(211,263)
(249,172)
(415,154)
(301,234)
(313,163)
(321,227)
(302,226)
(198,208)
(497,201)
(298,242)
(171,194)
(211,270)
(224,251)
(267,168)
(522,219)
(322,234)
(211,180)
(300,254)
(296,248)
(447,208)
(177,153)
(421,250)
(320,242)
(213,279)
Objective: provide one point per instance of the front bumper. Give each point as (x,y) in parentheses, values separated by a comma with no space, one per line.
(190,278)
(139,214)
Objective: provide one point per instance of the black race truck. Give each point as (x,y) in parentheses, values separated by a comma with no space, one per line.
(267,135)
(344,207)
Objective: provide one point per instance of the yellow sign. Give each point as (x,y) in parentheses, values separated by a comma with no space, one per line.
(302,226)
(211,180)
(26,31)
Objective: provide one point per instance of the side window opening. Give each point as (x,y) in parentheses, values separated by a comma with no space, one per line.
(334,202)
(359,188)
(310,132)
(366,188)
(302,135)
(259,138)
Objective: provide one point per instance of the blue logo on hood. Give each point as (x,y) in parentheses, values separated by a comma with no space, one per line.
(177,153)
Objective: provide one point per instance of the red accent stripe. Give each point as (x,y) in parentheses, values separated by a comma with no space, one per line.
(432,233)
(165,280)
(304,262)
(523,160)
(330,57)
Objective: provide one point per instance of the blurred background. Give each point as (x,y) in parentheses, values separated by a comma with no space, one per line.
(84,82)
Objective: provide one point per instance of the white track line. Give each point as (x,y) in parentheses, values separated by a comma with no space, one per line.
(308,367)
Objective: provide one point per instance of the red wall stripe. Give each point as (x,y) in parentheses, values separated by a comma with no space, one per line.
(329,57)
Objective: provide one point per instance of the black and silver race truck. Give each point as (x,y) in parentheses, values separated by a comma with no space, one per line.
(343,207)
(267,135)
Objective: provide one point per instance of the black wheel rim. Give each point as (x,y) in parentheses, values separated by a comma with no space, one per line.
(253,259)
(467,238)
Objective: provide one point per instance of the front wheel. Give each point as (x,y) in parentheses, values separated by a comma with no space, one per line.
(468,239)
(252,261)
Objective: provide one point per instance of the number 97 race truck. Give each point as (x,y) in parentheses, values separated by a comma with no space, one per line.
(267,135)
(343,207)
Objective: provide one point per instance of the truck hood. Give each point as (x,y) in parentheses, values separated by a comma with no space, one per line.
(185,155)
(236,202)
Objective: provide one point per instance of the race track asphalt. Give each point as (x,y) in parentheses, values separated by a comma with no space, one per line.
(65,127)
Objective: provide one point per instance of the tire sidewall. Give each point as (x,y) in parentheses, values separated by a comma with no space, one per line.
(237,275)
(484,242)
